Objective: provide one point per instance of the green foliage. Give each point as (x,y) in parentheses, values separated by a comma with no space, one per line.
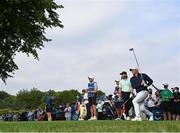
(22,29)
(67,96)
(30,99)
(3,95)
(100,93)
(9,103)
(34,98)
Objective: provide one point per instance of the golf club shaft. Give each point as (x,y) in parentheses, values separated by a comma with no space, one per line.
(139,68)
(137,63)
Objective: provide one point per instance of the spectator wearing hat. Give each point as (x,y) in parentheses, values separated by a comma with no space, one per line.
(140,82)
(126,89)
(92,89)
(176,104)
(166,96)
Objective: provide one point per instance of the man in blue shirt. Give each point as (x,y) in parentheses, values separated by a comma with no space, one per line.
(92,89)
(140,82)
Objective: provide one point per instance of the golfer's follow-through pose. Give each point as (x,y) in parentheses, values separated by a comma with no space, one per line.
(140,82)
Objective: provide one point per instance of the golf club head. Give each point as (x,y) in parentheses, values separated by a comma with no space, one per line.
(131,49)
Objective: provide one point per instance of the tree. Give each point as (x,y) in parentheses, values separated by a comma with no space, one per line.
(30,99)
(22,29)
(67,96)
(3,95)
(100,93)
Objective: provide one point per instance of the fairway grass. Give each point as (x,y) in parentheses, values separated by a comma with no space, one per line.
(91,126)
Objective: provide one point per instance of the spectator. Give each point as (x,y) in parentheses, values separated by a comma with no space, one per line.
(117,99)
(150,101)
(67,111)
(126,89)
(166,96)
(40,114)
(176,104)
(92,89)
(140,82)
(30,116)
(49,107)
(99,109)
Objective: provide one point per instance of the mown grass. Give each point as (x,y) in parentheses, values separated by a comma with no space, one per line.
(91,126)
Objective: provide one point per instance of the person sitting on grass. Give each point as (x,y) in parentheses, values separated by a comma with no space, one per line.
(67,111)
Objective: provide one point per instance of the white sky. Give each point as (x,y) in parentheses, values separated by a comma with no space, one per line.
(95,40)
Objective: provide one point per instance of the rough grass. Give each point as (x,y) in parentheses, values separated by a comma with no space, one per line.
(91,126)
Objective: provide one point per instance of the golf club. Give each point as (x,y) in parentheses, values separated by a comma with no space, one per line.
(132,49)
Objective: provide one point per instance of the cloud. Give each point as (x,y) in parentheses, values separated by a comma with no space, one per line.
(96,41)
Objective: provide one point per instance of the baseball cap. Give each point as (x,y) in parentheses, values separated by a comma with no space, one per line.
(90,77)
(133,68)
(123,73)
(165,84)
(117,80)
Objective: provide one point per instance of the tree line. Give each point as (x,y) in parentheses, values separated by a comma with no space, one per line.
(34,98)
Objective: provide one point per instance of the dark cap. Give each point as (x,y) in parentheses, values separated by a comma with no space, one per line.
(123,73)
(133,68)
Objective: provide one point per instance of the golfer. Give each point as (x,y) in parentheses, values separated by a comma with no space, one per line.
(140,82)
(92,89)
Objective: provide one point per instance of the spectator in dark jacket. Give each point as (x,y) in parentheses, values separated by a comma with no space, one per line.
(176,104)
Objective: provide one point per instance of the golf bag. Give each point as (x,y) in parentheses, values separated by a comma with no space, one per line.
(157,114)
(74,115)
(107,110)
(83,111)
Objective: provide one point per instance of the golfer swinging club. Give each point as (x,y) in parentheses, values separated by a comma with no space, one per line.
(140,82)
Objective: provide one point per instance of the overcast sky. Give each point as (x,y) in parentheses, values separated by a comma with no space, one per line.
(95,40)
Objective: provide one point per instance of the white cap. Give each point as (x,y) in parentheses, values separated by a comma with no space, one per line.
(117,80)
(133,68)
(166,84)
(90,77)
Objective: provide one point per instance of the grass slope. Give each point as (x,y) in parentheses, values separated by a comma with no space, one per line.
(91,126)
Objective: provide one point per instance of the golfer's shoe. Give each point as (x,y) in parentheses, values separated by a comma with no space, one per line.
(94,118)
(151,118)
(124,116)
(116,119)
(91,119)
(128,118)
(136,119)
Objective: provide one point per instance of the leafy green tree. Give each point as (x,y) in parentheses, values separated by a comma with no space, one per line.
(30,99)
(9,103)
(100,93)
(3,95)
(22,29)
(66,96)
